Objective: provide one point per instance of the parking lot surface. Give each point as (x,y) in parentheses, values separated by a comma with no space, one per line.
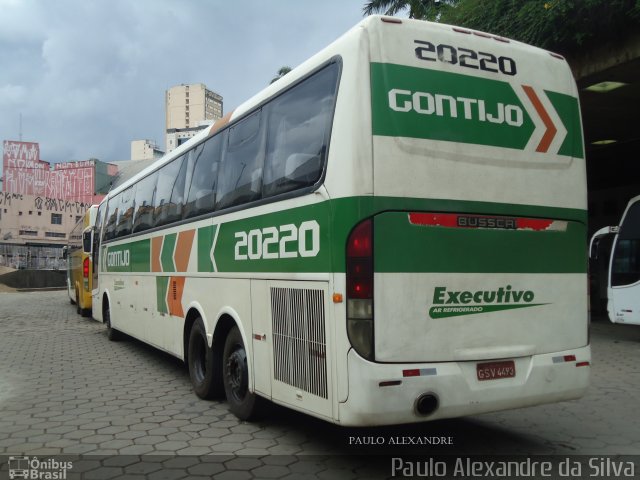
(66,390)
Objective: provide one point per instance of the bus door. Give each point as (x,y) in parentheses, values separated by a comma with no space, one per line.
(95,258)
(624,277)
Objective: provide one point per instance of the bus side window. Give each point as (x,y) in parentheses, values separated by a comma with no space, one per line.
(125,212)
(299,126)
(167,175)
(240,177)
(626,256)
(202,194)
(111,216)
(176,201)
(143,218)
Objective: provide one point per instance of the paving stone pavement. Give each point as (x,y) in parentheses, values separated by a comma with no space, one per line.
(128,408)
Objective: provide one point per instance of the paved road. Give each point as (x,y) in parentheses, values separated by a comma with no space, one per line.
(65,389)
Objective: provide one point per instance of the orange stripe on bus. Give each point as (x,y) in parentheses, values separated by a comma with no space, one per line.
(220,123)
(548,136)
(183,250)
(156,249)
(174,296)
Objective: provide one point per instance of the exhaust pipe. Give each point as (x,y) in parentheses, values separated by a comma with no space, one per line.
(426,404)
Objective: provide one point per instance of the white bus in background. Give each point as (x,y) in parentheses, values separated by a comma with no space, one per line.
(623,279)
(393,232)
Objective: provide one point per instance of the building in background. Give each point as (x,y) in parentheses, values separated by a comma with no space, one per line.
(40,203)
(24,173)
(145,150)
(189,108)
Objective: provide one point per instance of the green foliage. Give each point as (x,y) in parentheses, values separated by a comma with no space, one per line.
(564,26)
(422,9)
(281,73)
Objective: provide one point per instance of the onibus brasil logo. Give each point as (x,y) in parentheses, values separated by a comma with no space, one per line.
(452,303)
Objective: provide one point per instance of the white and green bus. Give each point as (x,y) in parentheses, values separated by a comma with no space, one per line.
(623,274)
(393,232)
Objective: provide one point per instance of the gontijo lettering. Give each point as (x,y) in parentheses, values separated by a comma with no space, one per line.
(446,105)
(119,258)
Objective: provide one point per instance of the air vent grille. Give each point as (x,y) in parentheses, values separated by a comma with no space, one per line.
(299,340)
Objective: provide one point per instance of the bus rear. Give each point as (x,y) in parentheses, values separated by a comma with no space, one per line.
(79,264)
(467,286)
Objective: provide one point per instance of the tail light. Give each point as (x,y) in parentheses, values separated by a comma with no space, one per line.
(85,268)
(360,289)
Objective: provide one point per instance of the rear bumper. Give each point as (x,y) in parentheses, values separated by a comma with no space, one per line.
(539,379)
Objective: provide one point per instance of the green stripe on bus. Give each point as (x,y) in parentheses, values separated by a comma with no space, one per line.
(336,218)
(429,104)
(569,112)
(448,119)
(400,246)
(166,257)
(277,242)
(162,285)
(128,257)
(205,242)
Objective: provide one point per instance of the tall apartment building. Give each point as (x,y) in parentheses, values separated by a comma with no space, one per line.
(189,108)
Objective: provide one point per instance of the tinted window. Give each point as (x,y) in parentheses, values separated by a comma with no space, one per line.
(125,212)
(111,217)
(299,126)
(626,256)
(98,227)
(240,177)
(202,194)
(165,211)
(143,218)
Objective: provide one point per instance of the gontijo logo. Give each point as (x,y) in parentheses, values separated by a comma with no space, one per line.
(452,303)
(119,258)
(428,103)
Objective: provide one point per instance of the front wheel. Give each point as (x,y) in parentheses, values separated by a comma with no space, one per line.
(112,334)
(78,309)
(243,404)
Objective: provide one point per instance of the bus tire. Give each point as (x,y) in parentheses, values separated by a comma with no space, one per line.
(201,364)
(112,334)
(243,404)
(78,308)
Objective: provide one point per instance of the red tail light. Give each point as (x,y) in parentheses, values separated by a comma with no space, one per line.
(360,289)
(360,262)
(85,268)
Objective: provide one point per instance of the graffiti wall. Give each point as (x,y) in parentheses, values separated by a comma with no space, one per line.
(26,174)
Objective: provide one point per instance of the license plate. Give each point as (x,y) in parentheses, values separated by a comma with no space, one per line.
(495,370)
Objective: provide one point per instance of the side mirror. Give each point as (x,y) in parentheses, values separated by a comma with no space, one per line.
(87,240)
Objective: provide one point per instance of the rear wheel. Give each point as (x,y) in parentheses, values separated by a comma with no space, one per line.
(203,371)
(112,334)
(243,404)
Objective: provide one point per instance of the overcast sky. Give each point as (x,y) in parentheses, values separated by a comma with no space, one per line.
(89,76)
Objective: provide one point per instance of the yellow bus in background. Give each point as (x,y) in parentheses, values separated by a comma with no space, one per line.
(79,264)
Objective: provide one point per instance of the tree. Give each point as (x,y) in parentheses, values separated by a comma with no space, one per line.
(565,26)
(420,9)
(281,73)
